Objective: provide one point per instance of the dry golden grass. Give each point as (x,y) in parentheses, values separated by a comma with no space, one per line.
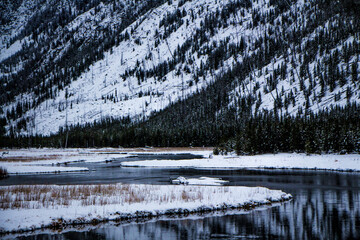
(29,158)
(50,196)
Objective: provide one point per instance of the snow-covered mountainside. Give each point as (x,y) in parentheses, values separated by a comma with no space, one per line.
(73,62)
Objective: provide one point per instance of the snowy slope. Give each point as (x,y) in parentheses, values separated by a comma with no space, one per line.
(16,19)
(111,87)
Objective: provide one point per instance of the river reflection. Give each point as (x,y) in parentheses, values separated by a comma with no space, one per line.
(326,205)
(313,214)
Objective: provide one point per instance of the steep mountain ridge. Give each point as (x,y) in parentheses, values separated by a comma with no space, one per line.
(289,57)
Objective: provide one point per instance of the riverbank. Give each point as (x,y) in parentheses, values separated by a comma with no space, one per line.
(331,162)
(24,161)
(51,160)
(27,208)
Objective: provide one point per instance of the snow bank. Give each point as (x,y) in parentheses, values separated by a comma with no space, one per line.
(199,181)
(55,160)
(50,160)
(350,162)
(25,208)
(21,168)
(24,161)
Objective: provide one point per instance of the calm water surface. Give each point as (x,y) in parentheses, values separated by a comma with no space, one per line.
(326,205)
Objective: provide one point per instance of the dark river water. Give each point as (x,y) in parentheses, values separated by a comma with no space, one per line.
(326,205)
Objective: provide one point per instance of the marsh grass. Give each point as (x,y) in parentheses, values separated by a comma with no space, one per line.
(52,196)
(29,158)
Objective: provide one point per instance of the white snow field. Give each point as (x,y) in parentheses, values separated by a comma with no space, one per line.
(199,181)
(25,208)
(29,168)
(334,162)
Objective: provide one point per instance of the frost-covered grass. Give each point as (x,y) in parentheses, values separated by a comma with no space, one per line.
(31,207)
(45,196)
(334,162)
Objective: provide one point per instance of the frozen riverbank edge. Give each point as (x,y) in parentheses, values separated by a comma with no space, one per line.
(36,161)
(30,161)
(293,161)
(54,160)
(122,202)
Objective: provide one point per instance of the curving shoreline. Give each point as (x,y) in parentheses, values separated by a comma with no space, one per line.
(291,161)
(146,202)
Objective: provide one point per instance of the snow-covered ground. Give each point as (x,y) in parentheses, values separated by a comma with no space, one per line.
(349,162)
(23,161)
(28,168)
(199,181)
(49,160)
(31,207)
(55,160)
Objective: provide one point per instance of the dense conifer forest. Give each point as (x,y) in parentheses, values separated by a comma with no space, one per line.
(231,113)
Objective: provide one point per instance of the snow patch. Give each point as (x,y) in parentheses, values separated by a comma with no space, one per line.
(349,162)
(198,181)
